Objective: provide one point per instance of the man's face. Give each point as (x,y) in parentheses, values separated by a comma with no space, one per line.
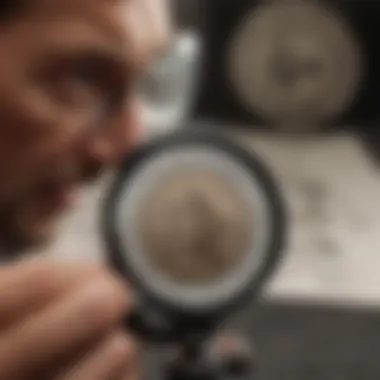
(68,70)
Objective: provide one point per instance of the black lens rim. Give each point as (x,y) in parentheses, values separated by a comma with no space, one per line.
(187,137)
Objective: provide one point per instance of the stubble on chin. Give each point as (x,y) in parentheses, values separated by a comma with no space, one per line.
(24,231)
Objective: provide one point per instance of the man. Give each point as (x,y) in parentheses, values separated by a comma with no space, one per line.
(68,71)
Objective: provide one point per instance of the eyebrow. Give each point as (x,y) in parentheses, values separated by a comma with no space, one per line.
(94,55)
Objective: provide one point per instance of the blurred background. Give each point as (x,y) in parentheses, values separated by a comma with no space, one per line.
(298,82)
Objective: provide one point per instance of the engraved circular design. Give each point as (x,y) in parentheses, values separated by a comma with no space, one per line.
(218,290)
(195,226)
(294,63)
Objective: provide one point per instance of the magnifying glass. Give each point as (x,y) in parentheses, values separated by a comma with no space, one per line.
(195,223)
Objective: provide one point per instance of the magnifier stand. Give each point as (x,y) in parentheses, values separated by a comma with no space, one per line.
(197,363)
(197,355)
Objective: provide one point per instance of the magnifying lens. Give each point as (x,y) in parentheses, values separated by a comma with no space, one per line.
(195,223)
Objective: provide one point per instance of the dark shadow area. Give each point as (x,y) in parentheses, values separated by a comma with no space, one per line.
(310,342)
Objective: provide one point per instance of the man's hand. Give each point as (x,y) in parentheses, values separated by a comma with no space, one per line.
(63,321)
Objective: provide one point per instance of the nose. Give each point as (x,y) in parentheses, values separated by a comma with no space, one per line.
(109,146)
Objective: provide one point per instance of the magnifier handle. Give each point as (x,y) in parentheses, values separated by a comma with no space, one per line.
(149,327)
(236,354)
(233,367)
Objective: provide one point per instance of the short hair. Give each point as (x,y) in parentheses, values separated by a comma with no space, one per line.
(8,8)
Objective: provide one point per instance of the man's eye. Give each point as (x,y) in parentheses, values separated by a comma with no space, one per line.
(88,73)
(103,80)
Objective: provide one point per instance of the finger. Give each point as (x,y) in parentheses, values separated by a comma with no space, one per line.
(110,360)
(30,285)
(84,317)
